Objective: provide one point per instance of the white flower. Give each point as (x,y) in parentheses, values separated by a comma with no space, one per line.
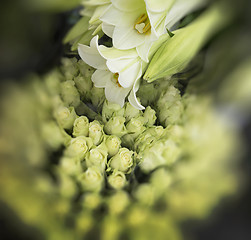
(135,23)
(117,71)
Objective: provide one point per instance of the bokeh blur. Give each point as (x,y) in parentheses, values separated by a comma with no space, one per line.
(31,43)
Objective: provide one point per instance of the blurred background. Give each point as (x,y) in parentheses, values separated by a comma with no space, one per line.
(31,41)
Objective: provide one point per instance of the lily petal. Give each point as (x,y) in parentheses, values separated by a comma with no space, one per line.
(128,5)
(116,94)
(134,101)
(126,38)
(100,78)
(91,55)
(108,29)
(159,5)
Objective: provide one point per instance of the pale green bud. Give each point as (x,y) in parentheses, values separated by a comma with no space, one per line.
(148,93)
(96,132)
(67,186)
(52,81)
(65,117)
(122,161)
(150,116)
(78,147)
(149,136)
(176,52)
(111,109)
(163,152)
(113,144)
(91,200)
(96,157)
(117,180)
(69,68)
(160,180)
(130,111)
(145,194)
(115,126)
(69,93)
(52,135)
(81,126)
(71,166)
(118,202)
(92,179)
(97,97)
(84,86)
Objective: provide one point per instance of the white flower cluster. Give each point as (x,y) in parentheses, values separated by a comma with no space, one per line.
(134,27)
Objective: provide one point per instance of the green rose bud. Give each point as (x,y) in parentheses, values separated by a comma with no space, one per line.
(115,126)
(52,135)
(52,81)
(122,161)
(150,116)
(117,180)
(118,202)
(65,117)
(130,112)
(97,97)
(69,93)
(135,126)
(96,132)
(67,186)
(91,200)
(81,126)
(148,93)
(96,157)
(92,179)
(145,194)
(113,144)
(163,152)
(71,166)
(84,86)
(78,147)
(149,136)
(69,68)
(111,109)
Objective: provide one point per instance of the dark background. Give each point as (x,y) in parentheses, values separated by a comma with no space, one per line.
(31,42)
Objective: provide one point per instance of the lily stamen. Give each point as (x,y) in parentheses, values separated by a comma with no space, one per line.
(142,24)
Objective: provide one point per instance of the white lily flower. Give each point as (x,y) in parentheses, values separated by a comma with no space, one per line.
(117,71)
(135,23)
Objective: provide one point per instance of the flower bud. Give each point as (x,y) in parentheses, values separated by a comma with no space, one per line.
(91,200)
(163,152)
(115,126)
(96,157)
(113,144)
(78,147)
(118,202)
(117,180)
(145,194)
(69,68)
(65,117)
(176,52)
(130,111)
(84,86)
(122,161)
(150,116)
(135,126)
(67,186)
(111,109)
(96,132)
(69,93)
(71,166)
(92,179)
(97,97)
(81,126)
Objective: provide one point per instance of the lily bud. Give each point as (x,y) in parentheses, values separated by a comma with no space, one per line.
(81,126)
(96,132)
(92,179)
(122,161)
(176,52)
(117,180)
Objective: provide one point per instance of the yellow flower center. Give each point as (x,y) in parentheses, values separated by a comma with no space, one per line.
(116,78)
(142,24)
